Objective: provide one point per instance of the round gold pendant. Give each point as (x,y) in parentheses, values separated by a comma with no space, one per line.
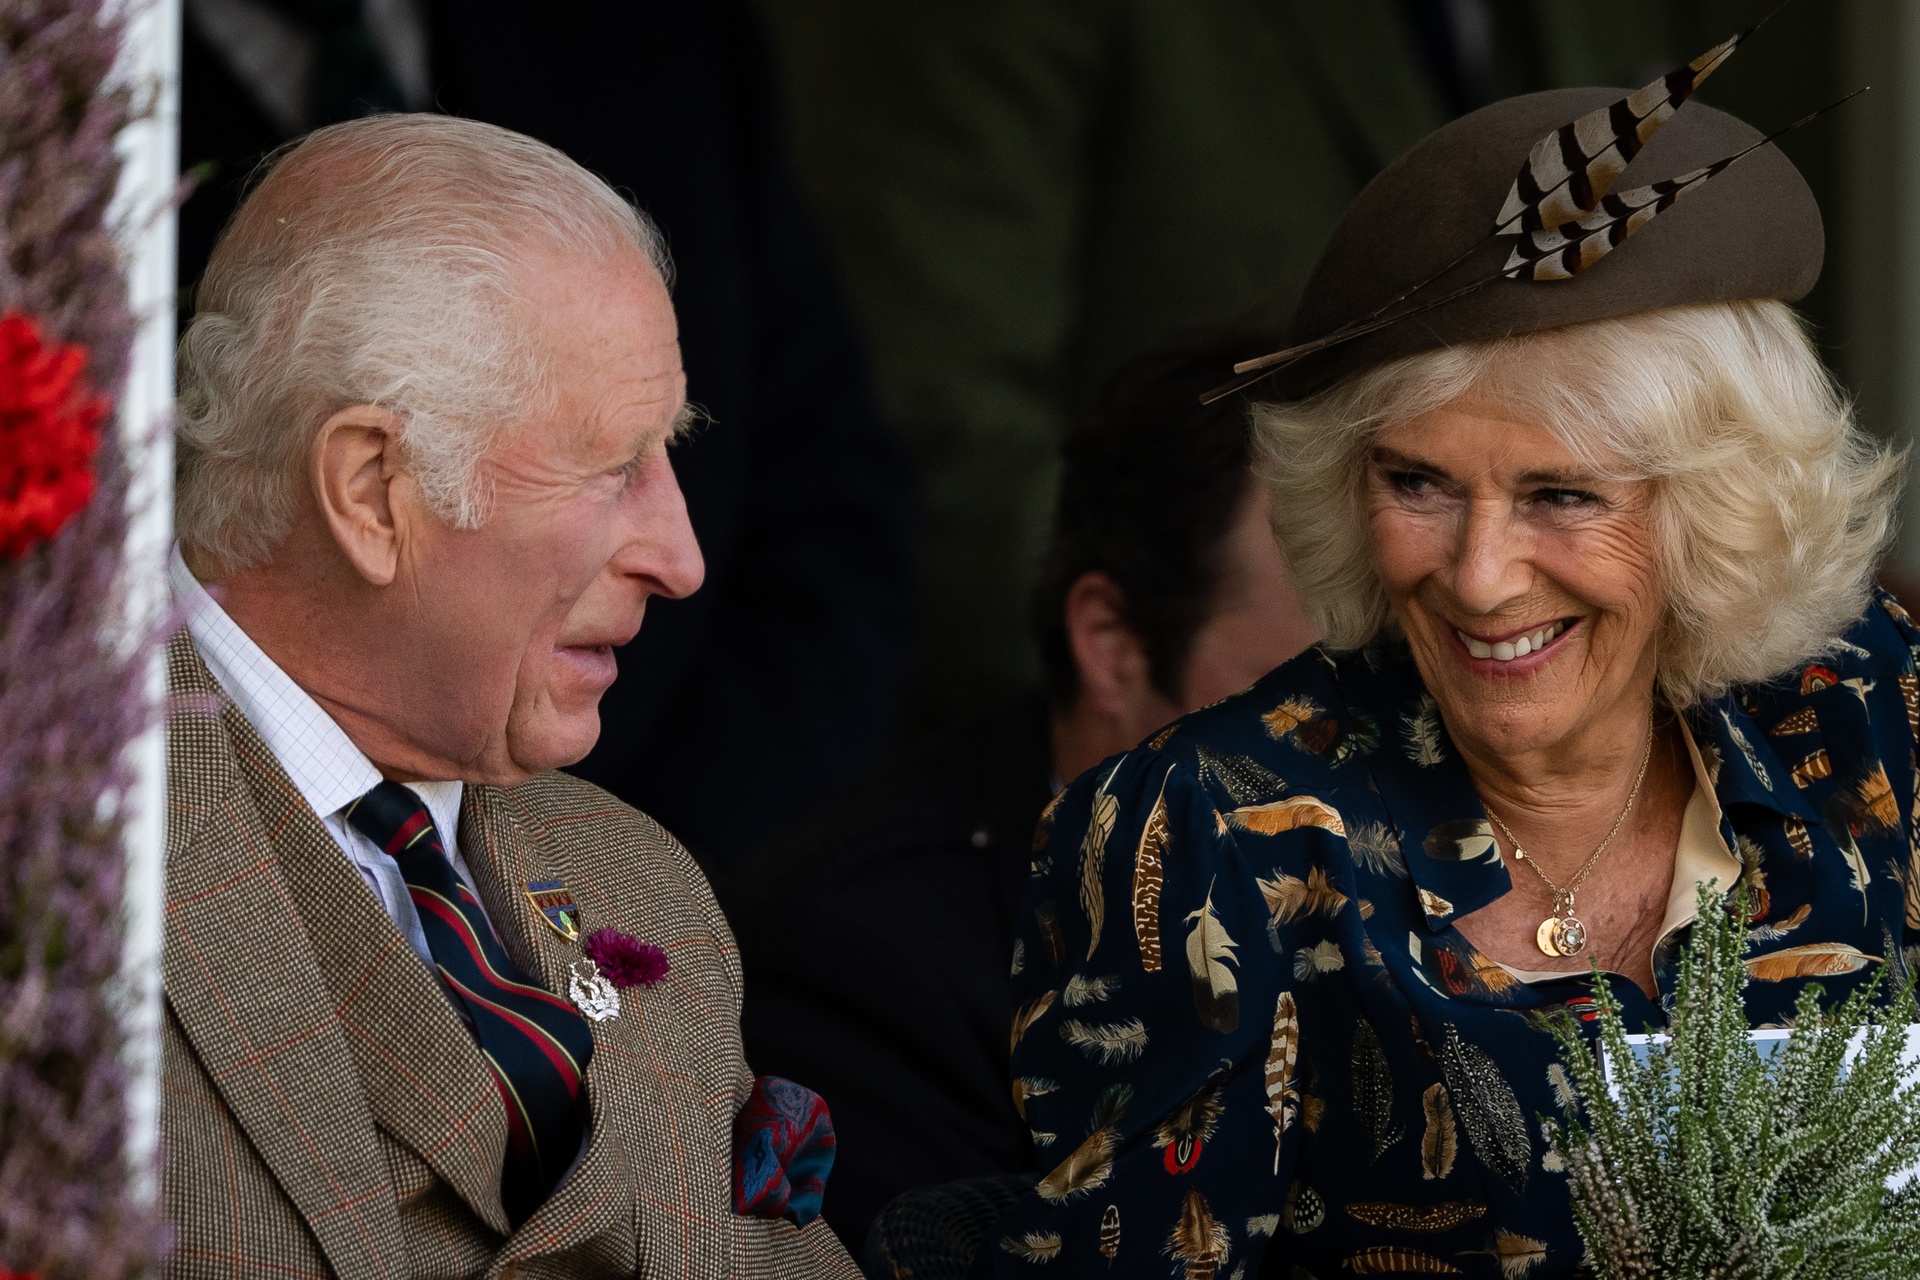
(1561,936)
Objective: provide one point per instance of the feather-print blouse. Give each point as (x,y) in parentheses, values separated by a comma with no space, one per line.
(1249,1039)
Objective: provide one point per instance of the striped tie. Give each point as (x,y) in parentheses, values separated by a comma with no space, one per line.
(537,1044)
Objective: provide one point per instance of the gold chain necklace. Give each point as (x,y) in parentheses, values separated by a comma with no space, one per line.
(1563,933)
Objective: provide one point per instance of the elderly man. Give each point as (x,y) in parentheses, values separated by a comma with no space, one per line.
(433,1008)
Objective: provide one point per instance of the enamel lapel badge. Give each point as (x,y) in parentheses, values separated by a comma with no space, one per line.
(554,901)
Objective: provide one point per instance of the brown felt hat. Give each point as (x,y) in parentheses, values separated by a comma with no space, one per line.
(1753,231)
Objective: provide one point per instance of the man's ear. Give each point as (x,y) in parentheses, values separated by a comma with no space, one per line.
(356,458)
(1111,661)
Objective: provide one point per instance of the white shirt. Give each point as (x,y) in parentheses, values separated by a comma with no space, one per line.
(326,768)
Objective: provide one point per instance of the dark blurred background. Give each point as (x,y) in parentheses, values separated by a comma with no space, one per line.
(912,239)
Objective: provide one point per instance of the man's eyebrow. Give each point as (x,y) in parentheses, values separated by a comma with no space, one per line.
(689,420)
(686,422)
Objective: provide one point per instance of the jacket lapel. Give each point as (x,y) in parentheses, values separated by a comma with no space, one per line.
(243,981)
(506,854)
(424,1078)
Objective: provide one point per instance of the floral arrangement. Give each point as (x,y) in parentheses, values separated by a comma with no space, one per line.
(72,681)
(1709,1158)
(49,429)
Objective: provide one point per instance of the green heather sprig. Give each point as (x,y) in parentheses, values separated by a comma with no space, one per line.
(1709,1160)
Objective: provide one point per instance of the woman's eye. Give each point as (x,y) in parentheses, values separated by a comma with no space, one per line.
(1411,481)
(1565,498)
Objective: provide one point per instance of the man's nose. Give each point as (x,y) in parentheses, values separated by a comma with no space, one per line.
(662,550)
(1490,557)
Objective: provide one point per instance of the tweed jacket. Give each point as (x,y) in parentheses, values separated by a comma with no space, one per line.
(325,1112)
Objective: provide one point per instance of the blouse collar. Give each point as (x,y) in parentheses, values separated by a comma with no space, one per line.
(1451,854)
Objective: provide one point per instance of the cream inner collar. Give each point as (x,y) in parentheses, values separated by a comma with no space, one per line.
(1701,855)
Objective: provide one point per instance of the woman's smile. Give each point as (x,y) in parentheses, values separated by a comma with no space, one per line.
(1519,651)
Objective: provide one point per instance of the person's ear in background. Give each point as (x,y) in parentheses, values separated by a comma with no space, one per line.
(1252,623)
(877,942)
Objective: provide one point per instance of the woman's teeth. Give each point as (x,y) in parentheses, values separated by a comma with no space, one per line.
(1508,650)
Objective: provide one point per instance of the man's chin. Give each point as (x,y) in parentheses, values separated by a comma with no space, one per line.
(558,740)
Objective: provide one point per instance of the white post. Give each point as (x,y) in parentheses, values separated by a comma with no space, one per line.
(143,211)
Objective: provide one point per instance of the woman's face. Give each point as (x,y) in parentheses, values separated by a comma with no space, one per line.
(1526,584)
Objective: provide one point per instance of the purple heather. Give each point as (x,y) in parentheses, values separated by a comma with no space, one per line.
(70,699)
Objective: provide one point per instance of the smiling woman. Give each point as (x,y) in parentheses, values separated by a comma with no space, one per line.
(1764,508)
(1593,557)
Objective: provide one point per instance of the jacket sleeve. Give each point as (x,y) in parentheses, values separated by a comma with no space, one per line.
(1154,1040)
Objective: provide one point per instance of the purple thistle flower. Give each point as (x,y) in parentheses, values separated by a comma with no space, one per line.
(624,960)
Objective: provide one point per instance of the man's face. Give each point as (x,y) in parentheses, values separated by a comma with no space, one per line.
(1254,623)
(1257,621)
(513,624)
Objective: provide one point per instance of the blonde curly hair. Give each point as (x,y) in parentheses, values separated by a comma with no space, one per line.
(1771,507)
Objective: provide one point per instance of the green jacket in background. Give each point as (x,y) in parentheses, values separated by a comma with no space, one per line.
(1023,193)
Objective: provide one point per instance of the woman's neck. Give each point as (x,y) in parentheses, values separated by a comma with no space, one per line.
(1561,801)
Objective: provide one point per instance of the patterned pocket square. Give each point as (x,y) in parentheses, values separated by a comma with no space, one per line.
(783,1147)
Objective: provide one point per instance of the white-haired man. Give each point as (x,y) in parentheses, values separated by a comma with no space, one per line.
(433,1008)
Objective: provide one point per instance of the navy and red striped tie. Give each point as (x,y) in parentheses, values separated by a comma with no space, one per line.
(536,1043)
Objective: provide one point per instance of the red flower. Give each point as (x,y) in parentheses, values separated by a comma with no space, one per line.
(49,427)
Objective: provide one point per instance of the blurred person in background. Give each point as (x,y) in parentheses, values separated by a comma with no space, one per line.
(879,936)
(797,491)
(1024,194)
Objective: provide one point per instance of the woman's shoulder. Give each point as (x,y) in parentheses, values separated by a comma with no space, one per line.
(1872,655)
(1873,661)
(1293,732)
(1886,631)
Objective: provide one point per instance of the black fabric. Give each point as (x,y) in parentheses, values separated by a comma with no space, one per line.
(741,706)
(223,135)
(349,77)
(935,1233)
(876,942)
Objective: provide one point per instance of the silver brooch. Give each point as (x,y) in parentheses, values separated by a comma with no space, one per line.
(596,997)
